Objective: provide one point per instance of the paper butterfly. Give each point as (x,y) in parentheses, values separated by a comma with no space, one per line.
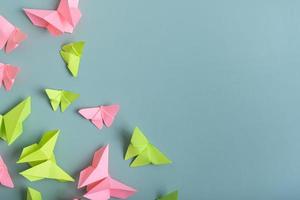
(10,36)
(42,160)
(59,21)
(11,123)
(100,115)
(99,183)
(71,53)
(8,74)
(5,178)
(61,97)
(145,152)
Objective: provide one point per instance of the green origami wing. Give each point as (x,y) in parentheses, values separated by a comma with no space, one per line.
(42,151)
(170,196)
(12,121)
(138,144)
(55,97)
(33,194)
(71,54)
(67,98)
(2,133)
(48,169)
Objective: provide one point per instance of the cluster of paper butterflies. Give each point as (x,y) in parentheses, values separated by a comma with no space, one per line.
(40,156)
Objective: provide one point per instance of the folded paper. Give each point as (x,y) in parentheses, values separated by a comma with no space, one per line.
(8,74)
(62,20)
(33,194)
(62,98)
(100,115)
(144,151)
(41,158)
(170,196)
(11,123)
(99,184)
(5,178)
(71,54)
(10,36)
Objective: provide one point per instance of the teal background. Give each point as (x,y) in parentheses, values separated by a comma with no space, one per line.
(213,84)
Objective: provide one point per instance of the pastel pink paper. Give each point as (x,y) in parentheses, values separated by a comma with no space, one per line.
(5,178)
(8,74)
(97,171)
(100,115)
(109,188)
(10,35)
(100,186)
(64,19)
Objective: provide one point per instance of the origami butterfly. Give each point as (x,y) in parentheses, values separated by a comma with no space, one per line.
(100,115)
(5,178)
(71,53)
(10,36)
(64,19)
(170,196)
(11,123)
(8,74)
(100,186)
(42,160)
(145,152)
(62,97)
(33,194)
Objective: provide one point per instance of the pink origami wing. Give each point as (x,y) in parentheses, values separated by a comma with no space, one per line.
(49,19)
(108,114)
(94,115)
(5,178)
(97,171)
(10,35)
(14,40)
(70,12)
(108,188)
(8,75)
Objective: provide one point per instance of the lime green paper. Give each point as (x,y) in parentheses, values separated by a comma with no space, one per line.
(42,160)
(33,194)
(170,196)
(71,54)
(11,124)
(62,98)
(146,152)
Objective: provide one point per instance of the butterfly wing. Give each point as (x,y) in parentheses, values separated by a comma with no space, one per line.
(156,156)
(6,29)
(108,113)
(55,97)
(48,169)
(13,120)
(73,62)
(9,76)
(67,99)
(70,12)
(138,144)
(94,115)
(120,190)
(5,178)
(14,40)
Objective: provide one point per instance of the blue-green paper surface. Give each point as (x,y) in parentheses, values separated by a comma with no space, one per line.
(213,84)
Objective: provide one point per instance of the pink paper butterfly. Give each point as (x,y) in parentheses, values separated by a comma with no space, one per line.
(8,75)
(100,115)
(10,36)
(63,19)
